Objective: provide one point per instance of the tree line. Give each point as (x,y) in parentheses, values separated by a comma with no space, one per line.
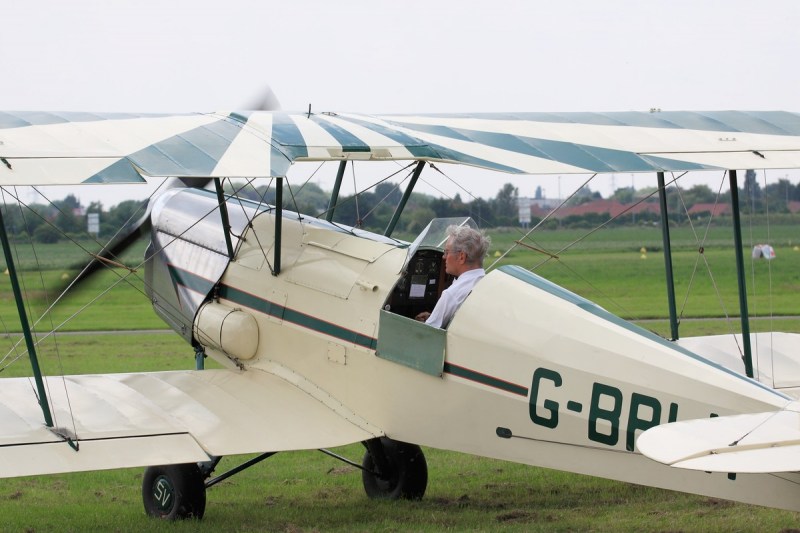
(373,209)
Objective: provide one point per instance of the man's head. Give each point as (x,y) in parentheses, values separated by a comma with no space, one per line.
(464,250)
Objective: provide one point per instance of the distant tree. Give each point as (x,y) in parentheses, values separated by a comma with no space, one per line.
(481,212)
(505,205)
(34,216)
(22,221)
(751,195)
(46,234)
(699,194)
(449,207)
(419,218)
(70,202)
(68,222)
(441,207)
(778,195)
(584,195)
(311,199)
(242,189)
(388,192)
(127,212)
(624,195)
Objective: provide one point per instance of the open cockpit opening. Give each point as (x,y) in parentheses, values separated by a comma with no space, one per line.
(423,277)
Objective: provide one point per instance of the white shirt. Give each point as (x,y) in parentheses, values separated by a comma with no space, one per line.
(453,297)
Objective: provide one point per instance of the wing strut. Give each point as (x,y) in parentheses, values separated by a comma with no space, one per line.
(223,213)
(335,193)
(278,225)
(737,243)
(662,201)
(23,319)
(404,199)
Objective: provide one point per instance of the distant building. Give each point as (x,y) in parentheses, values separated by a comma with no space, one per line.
(611,208)
(709,209)
(537,207)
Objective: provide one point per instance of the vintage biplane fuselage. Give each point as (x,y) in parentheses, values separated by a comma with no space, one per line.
(527,371)
(313,320)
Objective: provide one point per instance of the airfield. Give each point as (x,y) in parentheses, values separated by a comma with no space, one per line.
(619,268)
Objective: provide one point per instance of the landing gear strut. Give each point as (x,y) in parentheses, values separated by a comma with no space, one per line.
(390,470)
(393,470)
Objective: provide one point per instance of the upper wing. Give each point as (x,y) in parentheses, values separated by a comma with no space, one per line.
(750,443)
(127,420)
(66,148)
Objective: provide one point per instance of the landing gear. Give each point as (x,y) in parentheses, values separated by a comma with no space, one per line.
(394,470)
(390,470)
(174,492)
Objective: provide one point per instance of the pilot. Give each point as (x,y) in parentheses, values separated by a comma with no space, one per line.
(463,258)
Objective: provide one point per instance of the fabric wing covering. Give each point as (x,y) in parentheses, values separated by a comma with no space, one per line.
(134,420)
(70,148)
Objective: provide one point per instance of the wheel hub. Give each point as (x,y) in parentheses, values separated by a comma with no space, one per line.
(164,494)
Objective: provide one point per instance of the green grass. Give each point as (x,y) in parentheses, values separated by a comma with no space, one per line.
(607,268)
(307,491)
(610,269)
(96,354)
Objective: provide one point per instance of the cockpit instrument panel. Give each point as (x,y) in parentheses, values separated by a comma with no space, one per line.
(422,283)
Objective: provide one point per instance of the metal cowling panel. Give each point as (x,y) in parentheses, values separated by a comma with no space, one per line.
(187,255)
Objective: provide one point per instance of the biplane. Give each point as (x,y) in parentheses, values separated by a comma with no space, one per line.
(313,323)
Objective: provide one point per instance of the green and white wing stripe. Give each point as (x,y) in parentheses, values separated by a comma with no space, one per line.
(68,148)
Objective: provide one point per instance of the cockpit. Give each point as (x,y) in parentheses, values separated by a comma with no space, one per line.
(423,277)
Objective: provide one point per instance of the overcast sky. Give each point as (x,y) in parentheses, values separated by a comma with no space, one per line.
(412,56)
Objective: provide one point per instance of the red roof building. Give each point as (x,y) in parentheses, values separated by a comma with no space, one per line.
(713,209)
(611,208)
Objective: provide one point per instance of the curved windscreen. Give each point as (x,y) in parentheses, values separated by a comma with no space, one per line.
(434,235)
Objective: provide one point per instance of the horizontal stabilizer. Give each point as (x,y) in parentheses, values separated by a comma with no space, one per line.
(749,443)
(133,420)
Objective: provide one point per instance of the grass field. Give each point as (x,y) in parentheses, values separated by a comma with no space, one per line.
(307,491)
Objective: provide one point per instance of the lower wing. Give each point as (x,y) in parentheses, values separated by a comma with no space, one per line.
(131,420)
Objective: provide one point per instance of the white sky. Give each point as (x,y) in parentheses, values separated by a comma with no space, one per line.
(373,56)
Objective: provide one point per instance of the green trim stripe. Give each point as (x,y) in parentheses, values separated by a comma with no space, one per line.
(262,305)
(190,280)
(295,317)
(483,379)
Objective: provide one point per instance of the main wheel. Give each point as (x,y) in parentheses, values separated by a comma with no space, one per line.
(407,475)
(174,492)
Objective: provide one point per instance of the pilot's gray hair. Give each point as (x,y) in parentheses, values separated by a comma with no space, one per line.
(470,241)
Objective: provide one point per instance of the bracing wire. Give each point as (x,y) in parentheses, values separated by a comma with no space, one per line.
(754,290)
(769,277)
(753,261)
(700,243)
(482,221)
(120,279)
(29,312)
(261,201)
(355,196)
(358,222)
(55,338)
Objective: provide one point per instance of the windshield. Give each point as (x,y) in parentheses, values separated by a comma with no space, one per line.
(434,235)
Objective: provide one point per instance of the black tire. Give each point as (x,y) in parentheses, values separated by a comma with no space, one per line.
(408,472)
(174,492)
